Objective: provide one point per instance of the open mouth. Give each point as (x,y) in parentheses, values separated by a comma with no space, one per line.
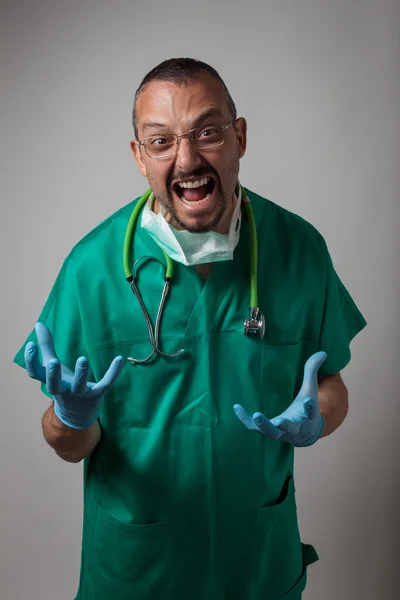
(195,193)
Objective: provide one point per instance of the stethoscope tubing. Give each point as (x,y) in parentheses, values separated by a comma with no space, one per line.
(131,278)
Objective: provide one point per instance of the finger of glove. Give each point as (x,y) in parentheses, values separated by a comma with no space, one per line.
(286,425)
(80,377)
(245,418)
(53,377)
(46,343)
(313,364)
(32,362)
(266,426)
(310,378)
(100,388)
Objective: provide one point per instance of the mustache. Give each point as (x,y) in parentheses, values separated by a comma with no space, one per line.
(198,173)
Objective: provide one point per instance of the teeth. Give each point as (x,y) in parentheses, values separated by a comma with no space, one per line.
(195,203)
(194,184)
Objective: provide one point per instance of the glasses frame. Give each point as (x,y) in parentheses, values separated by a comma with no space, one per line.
(191,139)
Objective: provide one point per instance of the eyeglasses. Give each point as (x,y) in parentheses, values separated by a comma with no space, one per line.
(202,138)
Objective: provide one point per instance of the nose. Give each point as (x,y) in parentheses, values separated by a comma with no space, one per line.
(187,157)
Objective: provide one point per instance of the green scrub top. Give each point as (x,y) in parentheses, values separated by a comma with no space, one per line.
(181,501)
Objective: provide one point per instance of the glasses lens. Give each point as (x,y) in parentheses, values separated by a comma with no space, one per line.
(160,145)
(208,137)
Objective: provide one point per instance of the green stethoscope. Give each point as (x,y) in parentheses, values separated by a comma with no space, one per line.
(254,325)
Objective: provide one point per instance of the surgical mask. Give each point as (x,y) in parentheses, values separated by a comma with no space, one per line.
(193,248)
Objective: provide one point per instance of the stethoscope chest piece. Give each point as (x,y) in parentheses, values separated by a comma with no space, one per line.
(255,324)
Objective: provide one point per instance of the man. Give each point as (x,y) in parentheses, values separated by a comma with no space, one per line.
(187,496)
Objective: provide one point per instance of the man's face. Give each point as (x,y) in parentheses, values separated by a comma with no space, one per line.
(164,107)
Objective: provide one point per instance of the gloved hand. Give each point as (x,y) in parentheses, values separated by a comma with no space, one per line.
(77,401)
(301,423)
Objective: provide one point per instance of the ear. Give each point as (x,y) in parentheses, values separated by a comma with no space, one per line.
(241,135)
(137,155)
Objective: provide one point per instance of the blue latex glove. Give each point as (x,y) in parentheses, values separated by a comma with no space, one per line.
(77,402)
(301,423)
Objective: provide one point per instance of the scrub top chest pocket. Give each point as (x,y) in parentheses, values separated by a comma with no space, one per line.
(282,369)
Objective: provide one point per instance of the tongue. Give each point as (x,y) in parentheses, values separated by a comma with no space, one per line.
(195,194)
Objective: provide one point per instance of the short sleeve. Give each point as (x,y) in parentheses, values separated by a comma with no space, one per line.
(62,316)
(341,321)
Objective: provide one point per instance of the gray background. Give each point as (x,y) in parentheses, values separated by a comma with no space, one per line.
(318,81)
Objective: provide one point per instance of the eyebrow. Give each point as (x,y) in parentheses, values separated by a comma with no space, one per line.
(154,126)
(212,112)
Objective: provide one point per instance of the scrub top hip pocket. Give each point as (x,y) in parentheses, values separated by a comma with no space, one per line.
(277,563)
(128,561)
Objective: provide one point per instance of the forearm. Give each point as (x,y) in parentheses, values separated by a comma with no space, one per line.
(72,445)
(333,401)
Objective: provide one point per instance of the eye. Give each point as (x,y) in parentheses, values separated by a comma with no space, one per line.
(208,132)
(159,141)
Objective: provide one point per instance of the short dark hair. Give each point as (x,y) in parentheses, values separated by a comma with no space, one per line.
(181,71)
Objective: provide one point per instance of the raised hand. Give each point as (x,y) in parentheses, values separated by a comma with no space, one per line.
(301,423)
(77,400)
